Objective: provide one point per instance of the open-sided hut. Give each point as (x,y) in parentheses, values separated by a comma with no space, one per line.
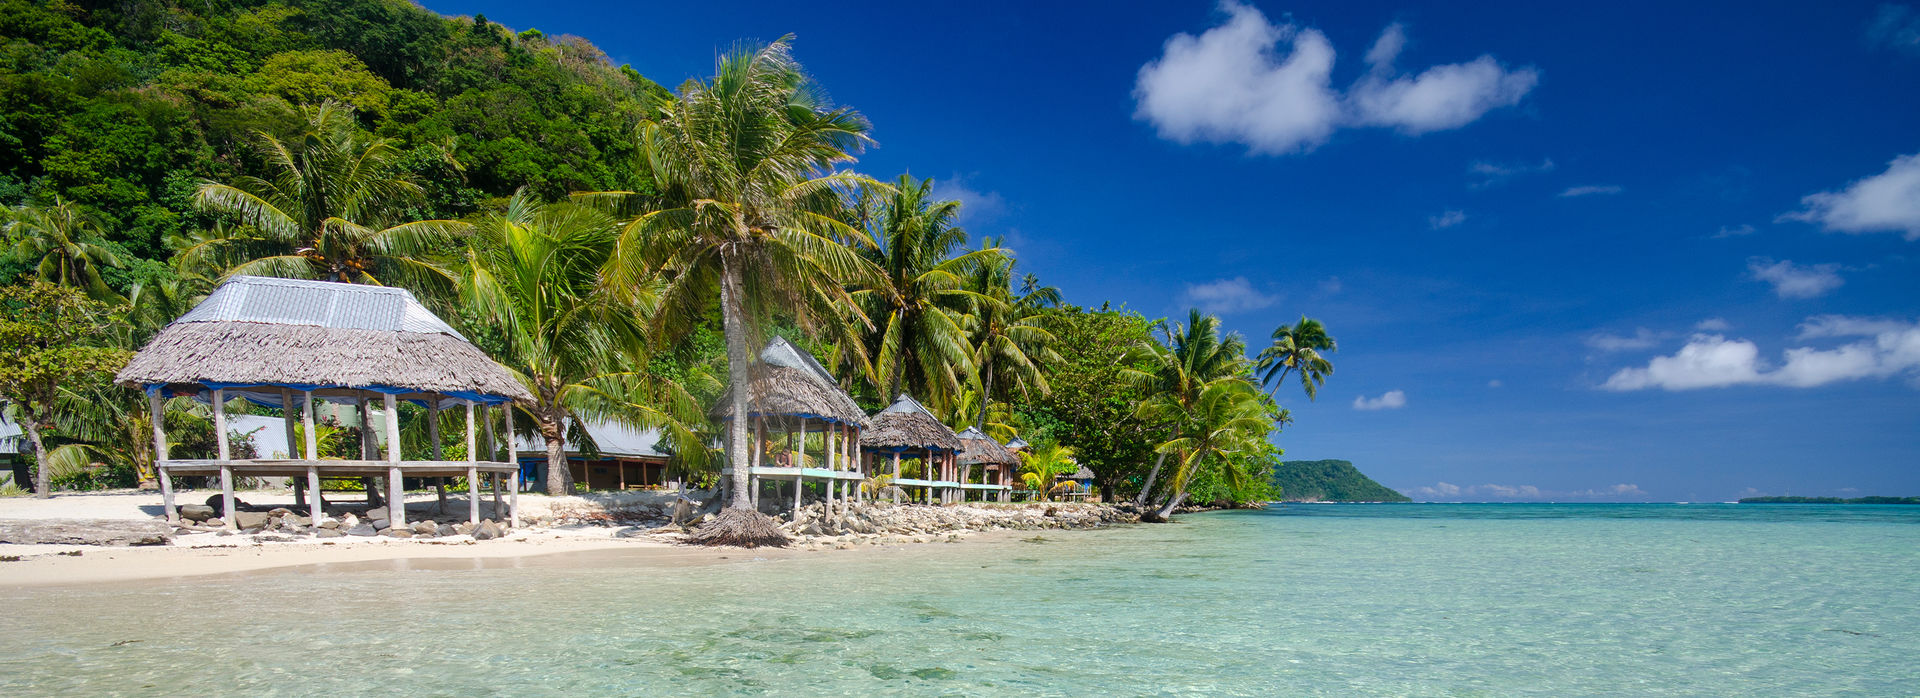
(997,463)
(288,343)
(907,429)
(790,395)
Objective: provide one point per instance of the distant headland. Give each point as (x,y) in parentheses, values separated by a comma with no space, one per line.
(1329,481)
(1830,500)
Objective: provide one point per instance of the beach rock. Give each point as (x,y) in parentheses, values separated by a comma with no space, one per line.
(445,530)
(214,523)
(85,532)
(397,533)
(382,524)
(362,530)
(196,512)
(463,528)
(279,511)
(425,528)
(248,520)
(328,533)
(375,513)
(329,524)
(488,530)
(349,521)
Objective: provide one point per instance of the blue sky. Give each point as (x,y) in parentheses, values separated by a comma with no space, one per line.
(1597,253)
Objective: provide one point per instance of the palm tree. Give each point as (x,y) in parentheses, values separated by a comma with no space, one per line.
(1188,358)
(535,274)
(331,209)
(1298,347)
(1045,462)
(1009,336)
(920,336)
(750,207)
(1229,417)
(61,242)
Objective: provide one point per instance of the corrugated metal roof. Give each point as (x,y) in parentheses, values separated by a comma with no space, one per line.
(317,304)
(779,352)
(906,403)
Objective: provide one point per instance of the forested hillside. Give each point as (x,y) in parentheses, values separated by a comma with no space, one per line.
(1329,481)
(125,107)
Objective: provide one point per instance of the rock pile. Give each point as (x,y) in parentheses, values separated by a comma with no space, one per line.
(281,523)
(916,522)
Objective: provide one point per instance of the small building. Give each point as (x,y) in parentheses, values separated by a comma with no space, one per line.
(12,440)
(790,397)
(292,344)
(999,466)
(622,458)
(906,429)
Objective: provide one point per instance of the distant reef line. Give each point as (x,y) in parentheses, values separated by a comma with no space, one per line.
(1830,500)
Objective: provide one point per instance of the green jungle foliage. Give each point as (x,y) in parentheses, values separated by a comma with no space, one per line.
(125,107)
(1329,481)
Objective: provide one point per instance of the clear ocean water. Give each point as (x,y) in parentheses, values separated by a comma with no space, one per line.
(1444,600)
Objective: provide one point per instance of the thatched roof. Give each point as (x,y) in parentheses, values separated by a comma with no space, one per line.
(1018,444)
(787,382)
(906,425)
(976,448)
(257,331)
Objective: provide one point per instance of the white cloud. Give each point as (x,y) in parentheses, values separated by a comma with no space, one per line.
(1269,87)
(1331,285)
(1886,202)
(1447,219)
(1796,280)
(1441,98)
(1642,338)
(1228,296)
(1490,173)
(1491,491)
(1733,231)
(1883,349)
(975,205)
(1390,400)
(1495,383)
(1895,27)
(1713,324)
(1591,190)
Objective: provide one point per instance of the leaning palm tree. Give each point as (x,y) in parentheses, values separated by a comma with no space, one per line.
(1185,361)
(920,334)
(1009,334)
(1301,347)
(61,244)
(749,207)
(1229,417)
(333,207)
(535,274)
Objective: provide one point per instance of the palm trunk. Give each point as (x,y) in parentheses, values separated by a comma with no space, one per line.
(986,398)
(559,477)
(733,325)
(1173,503)
(42,480)
(1146,490)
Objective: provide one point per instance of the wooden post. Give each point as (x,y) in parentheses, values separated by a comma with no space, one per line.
(396,483)
(800,466)
(473,469)
(226,465)
(433,437)
(513,480)
(157,408)
(366,443)
(513,506)
(315,504)
(759,448)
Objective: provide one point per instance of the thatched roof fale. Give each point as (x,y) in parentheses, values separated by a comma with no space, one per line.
(976,448)
(906,425)
(257,331)
(787,382)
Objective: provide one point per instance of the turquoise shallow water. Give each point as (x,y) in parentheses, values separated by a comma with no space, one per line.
(1762,600)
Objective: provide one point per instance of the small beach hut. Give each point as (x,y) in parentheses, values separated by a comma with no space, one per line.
(907,429)
(996,462)
(789,396)
(288,344)
(622,458)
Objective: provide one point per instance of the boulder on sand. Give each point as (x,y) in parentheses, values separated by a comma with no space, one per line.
(196,512)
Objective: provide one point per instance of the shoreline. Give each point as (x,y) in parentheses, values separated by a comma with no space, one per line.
(572,525)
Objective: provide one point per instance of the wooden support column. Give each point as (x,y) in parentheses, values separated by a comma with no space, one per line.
(157,410)
(473,469)
(226,466)
(433,439)
(759,449)
(513,457)
(800,466)
(315,503)
(287,421)
(396,483)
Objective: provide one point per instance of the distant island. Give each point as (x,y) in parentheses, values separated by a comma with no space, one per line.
(1329,481)
(1830,500)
